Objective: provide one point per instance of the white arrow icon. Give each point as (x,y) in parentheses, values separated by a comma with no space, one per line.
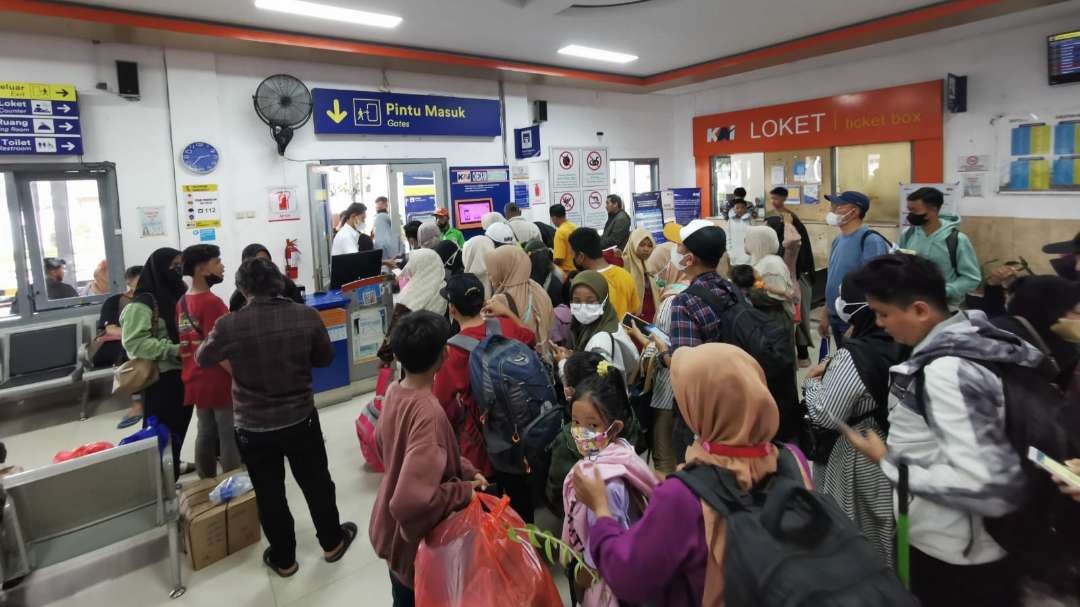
(68,146)
(64,108)
(66,126)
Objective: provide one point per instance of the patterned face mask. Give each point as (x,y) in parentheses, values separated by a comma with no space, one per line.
(590,442)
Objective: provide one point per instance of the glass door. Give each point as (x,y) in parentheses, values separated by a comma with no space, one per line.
(416,191)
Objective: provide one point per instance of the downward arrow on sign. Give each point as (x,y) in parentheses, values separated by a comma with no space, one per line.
(337,114)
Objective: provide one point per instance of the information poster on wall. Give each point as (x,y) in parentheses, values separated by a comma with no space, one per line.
(595,208)
(649,216)
(519,183)
(282,204)
(594,169)
(566,169)
(490,184)
(951,191)
(201,206)
(573,204)
(685,204)
(151,221)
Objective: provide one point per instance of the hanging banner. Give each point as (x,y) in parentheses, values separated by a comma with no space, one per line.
(527,142)
(39,119)
(649,216)
(595,208)
(344,112)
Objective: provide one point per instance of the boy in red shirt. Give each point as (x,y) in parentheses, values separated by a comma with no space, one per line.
(426,478)
(208,389)
(465,295)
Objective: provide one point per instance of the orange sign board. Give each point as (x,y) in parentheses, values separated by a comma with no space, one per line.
(901,113)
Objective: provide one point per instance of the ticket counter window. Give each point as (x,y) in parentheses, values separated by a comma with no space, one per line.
(735,171)
(875,170)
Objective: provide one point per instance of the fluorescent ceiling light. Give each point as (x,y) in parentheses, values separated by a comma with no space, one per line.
(325,11)
(597,54)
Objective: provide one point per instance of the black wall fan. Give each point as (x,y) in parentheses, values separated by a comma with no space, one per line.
(283,102)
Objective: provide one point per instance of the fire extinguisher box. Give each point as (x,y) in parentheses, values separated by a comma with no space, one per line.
(332,308)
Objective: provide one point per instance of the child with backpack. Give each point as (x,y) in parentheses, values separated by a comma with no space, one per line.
(949,406)
(686,553)
(426,478)
(464,294)
(600,413)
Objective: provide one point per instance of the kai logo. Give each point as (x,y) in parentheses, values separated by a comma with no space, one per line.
(720,133)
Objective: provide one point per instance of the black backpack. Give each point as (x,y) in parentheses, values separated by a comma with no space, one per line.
(791,547)
(1042,533)
(752,330)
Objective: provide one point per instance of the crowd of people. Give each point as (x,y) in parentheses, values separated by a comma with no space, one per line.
(657,363)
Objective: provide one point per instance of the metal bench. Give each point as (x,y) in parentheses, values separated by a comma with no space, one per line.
(62,511)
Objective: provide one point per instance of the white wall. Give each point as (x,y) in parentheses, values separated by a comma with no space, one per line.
(1006,72)
(196,96)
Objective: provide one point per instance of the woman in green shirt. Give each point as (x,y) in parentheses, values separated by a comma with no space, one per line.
(149,331)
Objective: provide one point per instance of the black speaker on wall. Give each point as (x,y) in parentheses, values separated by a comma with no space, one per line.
(127,79)
(539,111)
(956,93)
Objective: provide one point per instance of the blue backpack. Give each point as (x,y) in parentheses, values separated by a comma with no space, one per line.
(519,411)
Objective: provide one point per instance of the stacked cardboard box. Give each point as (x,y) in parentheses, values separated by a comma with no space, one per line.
(212,532)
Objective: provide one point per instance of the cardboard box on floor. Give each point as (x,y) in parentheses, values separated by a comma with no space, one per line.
(213,532)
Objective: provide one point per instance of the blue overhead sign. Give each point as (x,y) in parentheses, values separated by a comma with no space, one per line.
(340,112)
(39,119)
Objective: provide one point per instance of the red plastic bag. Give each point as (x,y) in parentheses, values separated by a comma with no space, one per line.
(469,560)
(86,449)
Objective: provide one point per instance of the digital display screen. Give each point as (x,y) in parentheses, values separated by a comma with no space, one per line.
(470,212)
(1063,52)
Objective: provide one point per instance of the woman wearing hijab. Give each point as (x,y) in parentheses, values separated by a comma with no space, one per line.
(668,281)
(428,235)
(451,257)
(291,291)
(426,278)
(594,327)
(673,556)
(638,250)
(543,270)
(489,219)
(385,238)
(1042,302)
(761,245)
(149,331)
(475,253)
(509,269)
(853,387)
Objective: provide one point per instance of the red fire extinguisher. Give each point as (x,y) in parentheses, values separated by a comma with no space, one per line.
(292,259)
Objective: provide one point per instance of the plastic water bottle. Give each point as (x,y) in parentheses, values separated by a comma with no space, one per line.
(232,487)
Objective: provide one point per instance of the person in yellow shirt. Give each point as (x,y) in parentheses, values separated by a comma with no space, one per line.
(563,257)
(587,254)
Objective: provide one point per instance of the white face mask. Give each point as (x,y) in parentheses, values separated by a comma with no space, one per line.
(677,259)
(587,314)
(845,311)
(835,220)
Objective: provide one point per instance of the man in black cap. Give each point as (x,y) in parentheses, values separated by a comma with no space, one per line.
(55,287)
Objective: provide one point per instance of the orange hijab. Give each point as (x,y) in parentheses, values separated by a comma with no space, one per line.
(722,395)
(509,269)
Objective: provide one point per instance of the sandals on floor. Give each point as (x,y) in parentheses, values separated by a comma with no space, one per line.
(349,531)
(274,568)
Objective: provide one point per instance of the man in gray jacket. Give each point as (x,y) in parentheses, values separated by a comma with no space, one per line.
(947,425)
(617,228)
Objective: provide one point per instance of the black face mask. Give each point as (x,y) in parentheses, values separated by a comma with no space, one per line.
(443,227)
(916,220)
(214,279)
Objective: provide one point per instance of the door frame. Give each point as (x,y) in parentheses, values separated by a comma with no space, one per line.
(318,201)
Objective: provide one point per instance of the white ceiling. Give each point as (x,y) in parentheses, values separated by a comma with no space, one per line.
(665,34)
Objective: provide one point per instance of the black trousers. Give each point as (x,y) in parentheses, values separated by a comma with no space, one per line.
(264,454)
(519,488)
(938,584)
(164,399)
(403,595)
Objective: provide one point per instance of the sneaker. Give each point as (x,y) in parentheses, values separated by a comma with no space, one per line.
(129,421)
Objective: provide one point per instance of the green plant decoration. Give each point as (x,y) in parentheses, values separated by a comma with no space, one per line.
(551,547)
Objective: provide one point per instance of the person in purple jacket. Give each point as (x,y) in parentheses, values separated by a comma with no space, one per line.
(672,555)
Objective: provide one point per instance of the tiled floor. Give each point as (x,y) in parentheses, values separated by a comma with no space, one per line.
(241,579)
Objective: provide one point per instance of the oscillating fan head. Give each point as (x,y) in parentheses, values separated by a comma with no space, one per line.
(283,102)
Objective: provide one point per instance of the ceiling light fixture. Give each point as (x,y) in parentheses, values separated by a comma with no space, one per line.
(597,54)
(332,13)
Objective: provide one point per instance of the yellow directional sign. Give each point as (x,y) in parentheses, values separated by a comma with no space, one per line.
(35,90)
(337,114)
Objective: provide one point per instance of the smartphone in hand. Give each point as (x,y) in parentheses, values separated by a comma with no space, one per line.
(1054,467)
(647,328)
